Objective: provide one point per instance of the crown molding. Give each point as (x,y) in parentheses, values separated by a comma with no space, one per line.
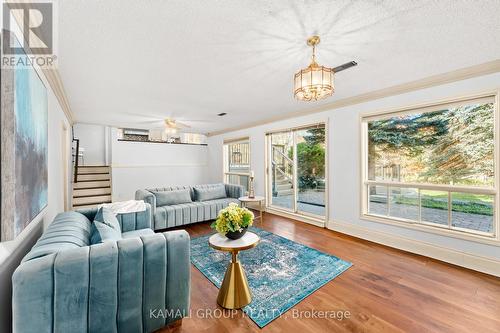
(431,81)
(55,82)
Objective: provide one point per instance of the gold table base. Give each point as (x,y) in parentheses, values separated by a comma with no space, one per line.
(234,292)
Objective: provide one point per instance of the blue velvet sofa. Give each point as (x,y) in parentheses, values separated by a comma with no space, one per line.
(179,205)
(137,284)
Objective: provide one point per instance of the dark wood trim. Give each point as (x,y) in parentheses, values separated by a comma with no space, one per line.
(91,188)
(93,173)
(91,203)
(94,180)
(90,196)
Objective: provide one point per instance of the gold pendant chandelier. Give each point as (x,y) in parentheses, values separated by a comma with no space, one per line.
(316,82)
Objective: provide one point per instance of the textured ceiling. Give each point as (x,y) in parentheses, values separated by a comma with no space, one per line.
(131,63)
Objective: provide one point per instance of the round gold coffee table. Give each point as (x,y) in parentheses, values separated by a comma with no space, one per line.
(234,292)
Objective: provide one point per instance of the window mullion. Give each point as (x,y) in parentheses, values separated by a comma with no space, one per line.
(419,207)
(449,210)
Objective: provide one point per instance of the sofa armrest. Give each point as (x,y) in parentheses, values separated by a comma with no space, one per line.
(128,221)
(234,191)
(33,292)
(136,220)
(148,197)
(154,280)
(135,284)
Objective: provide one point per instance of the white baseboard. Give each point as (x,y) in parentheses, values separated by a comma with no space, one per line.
(477,263)
(297,217)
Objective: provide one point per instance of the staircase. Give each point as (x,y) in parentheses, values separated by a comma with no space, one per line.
(282,170)
(92,186)
(283,185)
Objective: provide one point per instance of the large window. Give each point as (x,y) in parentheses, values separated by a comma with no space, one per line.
(237,162)
(434,166)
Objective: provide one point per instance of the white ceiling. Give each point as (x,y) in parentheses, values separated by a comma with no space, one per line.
(130,62)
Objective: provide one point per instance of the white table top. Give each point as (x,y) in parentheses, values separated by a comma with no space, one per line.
(220,242)
(246,198)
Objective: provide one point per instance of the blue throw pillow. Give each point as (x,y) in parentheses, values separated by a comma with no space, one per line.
(106,216)
(103,233)
(105,227)
(210,193)
(174,197)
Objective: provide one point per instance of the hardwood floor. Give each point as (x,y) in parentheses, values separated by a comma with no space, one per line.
(386,290)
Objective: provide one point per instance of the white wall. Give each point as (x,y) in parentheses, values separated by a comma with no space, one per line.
(139,165)
(93,138)
(12,252)
(344,160)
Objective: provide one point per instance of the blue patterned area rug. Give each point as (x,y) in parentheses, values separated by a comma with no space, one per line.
(280,272)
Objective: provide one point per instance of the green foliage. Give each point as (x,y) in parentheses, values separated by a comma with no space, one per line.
(467,147)
(466,205)
(315,136)
(232,218)
(311,164)
(451,146)
(410,133)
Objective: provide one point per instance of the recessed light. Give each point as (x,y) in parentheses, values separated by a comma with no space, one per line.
(222,114)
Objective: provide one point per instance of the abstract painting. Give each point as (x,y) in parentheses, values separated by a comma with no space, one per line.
(24,149)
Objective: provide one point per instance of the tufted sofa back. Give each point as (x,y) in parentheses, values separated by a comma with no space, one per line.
(71,230)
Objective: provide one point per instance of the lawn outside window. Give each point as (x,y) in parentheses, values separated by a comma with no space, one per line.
(434,167)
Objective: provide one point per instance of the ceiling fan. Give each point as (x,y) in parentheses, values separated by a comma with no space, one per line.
(172,125)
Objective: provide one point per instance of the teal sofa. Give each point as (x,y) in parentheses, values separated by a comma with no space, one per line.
(180,205)
(137,284)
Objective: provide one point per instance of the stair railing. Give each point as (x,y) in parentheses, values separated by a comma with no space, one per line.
(282,165)
(75,154)
(76,158)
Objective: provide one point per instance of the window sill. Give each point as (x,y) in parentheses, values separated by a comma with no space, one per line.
(490,240)
(302,218)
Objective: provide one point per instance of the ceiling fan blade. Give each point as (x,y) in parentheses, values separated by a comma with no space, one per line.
(149,122)
(345,66)
(181,125)
(144,116)
(200,120)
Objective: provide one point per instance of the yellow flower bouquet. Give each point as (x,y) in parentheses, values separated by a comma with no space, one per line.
(233,221)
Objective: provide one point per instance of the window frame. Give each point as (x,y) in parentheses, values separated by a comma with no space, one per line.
(470,235)
(225,159)
(321,221)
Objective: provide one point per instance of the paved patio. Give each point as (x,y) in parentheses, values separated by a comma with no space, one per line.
(311,202)
(470,221)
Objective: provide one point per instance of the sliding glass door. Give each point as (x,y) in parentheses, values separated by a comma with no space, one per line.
(282,170)
(310,166)
(297,170)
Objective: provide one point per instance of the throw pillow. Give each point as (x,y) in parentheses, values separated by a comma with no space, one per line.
(210,193)
(105,227)
(174,197)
